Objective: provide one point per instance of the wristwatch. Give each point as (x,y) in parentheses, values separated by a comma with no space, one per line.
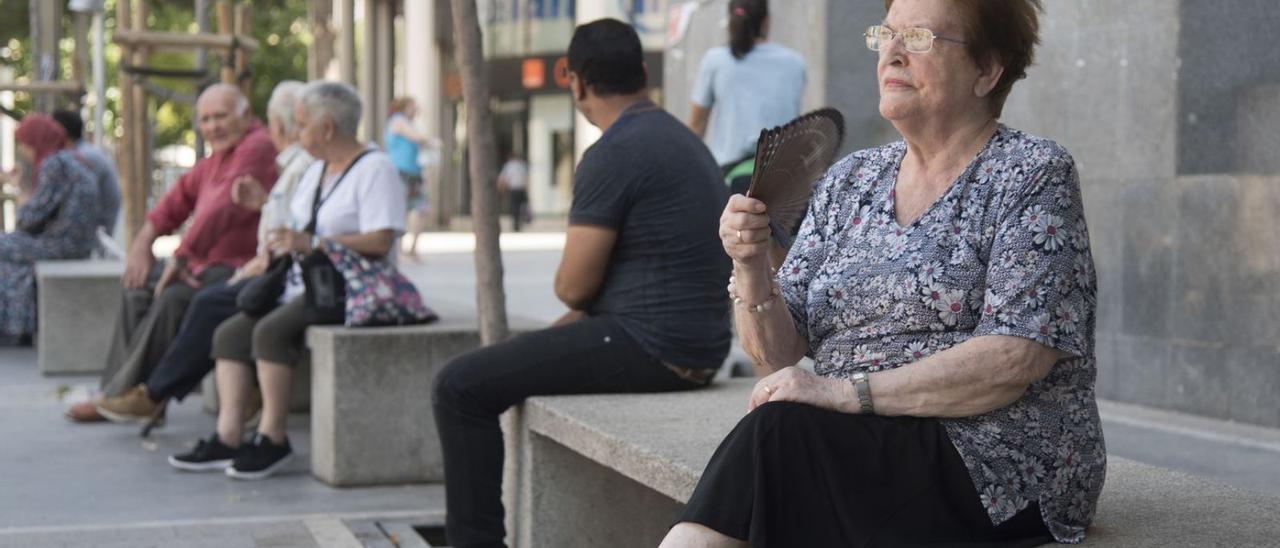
(862,387)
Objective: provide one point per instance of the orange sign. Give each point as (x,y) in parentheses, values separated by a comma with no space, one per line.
(533,73)
(561,72)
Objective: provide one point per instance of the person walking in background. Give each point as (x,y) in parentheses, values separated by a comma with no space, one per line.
(741,89)
(403,143)
(57,201)
(100,166)
(514,180)
(219,237)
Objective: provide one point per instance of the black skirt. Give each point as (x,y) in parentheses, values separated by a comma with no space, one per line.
(794,475)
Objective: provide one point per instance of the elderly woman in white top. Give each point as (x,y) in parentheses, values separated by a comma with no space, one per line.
(186,362)
(359,201)
(944,287)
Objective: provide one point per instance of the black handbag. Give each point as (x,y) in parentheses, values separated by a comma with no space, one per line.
(326,289)
(261,294)
(326,297)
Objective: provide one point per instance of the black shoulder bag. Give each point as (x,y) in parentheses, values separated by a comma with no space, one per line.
(261,294)
(326,288)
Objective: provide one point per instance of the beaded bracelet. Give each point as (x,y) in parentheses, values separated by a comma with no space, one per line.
(774,290)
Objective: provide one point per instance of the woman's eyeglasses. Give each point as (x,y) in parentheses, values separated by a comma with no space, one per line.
(915,39)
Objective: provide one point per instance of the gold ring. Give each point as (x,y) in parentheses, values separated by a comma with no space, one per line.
(768,390)
(740,237)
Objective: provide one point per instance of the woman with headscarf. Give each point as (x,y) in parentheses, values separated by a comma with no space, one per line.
(56,217)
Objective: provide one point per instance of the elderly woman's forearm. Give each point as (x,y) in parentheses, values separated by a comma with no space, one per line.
(370,244)
(972,378)
(770,337)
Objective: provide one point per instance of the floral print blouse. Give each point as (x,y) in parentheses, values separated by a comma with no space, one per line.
(1004,251)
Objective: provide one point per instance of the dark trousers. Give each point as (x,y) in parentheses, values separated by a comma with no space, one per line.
(147,326)
(187,360)
(518,202)
(593,355)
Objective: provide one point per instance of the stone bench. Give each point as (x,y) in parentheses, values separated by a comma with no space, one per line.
(78,305)
(371,416)
(614,470)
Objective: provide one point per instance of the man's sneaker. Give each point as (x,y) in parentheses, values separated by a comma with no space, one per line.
(208,456)
(260,459)
(132,407)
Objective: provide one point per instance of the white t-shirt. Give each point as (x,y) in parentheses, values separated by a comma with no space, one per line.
(369,198)
(516,173)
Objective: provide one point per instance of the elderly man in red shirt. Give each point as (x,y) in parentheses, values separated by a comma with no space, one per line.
(221,237)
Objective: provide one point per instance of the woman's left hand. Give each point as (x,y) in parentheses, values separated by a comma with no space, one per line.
(283,240)
(801,386)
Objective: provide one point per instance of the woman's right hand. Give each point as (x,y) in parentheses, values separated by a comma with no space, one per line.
(745,232)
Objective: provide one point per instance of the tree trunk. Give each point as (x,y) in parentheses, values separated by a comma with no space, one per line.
(490,297)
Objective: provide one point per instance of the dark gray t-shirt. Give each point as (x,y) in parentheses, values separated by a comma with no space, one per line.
(655,182)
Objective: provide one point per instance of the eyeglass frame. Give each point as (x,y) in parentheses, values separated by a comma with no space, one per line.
(933,36)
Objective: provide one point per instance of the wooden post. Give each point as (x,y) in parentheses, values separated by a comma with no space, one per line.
(202,64)
(225,27)
(80,57)
(46,30)
(129,178)
(141,129)
(321,50)
(242,28)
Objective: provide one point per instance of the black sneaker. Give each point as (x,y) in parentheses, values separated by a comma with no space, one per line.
(260,459)
(208,456)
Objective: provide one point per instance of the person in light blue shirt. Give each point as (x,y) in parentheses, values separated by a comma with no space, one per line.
(745,87)
(403,143)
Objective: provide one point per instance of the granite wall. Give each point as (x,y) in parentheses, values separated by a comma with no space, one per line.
(1172,112)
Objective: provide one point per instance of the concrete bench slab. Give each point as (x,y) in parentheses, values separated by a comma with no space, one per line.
(371,416)
(614,470)
(78,304)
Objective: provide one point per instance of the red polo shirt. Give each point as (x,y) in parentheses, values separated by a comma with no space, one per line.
(220,231)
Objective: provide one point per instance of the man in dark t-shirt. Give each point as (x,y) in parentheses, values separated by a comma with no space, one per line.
(643,275)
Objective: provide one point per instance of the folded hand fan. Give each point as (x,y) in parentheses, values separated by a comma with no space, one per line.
(789,160)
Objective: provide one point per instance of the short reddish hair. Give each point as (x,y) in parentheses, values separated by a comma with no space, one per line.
(1007,29)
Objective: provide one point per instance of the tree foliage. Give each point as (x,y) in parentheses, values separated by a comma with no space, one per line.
(280,26)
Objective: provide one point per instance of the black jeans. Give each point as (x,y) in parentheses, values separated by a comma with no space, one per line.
(518,202)
(187,360)
(593,355)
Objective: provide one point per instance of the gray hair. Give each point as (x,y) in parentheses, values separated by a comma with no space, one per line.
(335,100)
(283,99)
(242,102)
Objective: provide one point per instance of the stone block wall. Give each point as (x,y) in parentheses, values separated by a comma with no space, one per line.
(1171,113)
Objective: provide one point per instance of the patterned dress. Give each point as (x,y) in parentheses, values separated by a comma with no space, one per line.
(58,222)
(1004,251)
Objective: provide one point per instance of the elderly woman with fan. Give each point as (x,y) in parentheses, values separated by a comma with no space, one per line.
(944,288)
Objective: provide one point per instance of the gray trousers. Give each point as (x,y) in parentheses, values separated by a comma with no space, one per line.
(146,327)
(278,337)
